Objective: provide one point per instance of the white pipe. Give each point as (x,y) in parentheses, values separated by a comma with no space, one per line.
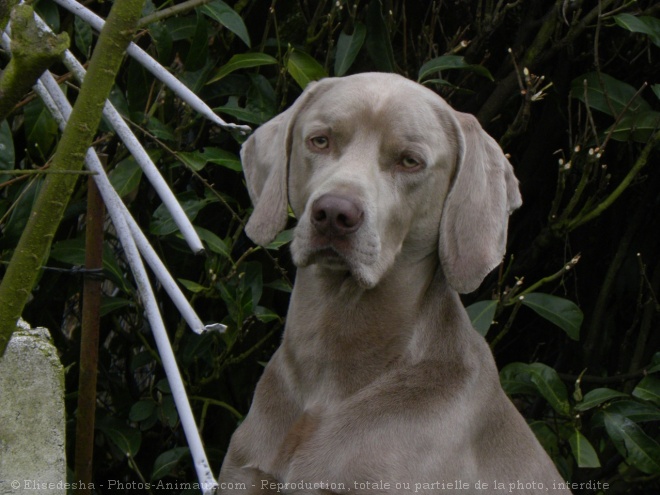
(155,68)
(141,157)
(60,107)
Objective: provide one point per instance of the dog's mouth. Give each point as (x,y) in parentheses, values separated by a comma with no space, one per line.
(329,257)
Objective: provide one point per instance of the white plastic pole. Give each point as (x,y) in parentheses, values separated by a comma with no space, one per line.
(155,68)
(59,106)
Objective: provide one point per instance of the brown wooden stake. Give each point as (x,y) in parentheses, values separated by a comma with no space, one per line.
(89,339)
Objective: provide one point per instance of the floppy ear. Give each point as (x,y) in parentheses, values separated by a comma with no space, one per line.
(476,212)
(265,158)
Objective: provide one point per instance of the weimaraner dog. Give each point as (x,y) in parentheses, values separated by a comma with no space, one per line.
(381,385)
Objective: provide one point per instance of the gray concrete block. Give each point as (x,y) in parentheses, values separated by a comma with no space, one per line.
(32,421)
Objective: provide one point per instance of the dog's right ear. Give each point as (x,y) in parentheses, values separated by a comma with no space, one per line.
(265,159)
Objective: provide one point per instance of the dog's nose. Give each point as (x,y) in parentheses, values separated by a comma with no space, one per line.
(334,215)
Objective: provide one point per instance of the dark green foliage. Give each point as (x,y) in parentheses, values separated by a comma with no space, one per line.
(574,102)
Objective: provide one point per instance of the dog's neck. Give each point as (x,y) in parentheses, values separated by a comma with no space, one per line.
(360,332)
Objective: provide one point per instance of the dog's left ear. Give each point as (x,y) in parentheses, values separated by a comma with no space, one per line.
(265,157)
(476,211)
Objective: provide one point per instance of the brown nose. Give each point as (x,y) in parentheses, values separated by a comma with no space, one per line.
(334,215)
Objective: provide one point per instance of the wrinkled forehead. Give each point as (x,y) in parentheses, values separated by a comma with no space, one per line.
(399,108)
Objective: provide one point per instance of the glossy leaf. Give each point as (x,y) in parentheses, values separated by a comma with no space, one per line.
(125,177)
(242,61)
(110,304)
(481,315)
(83,36)
(607,94)
(451,62)
(597,397)
(379,42)
(127,439)
(282,239)
(583,451)
(142,410)
(637,126)
(562,312)
(167,461)
(639,412)
(7,155)
(193,287)
(304,69)
(515,379)
(640,24)
(550,386)
(656,90)
(648,389)
(40,129)
(348,48)
(162,222)
(639,449)
(197,160)
(214,243)
(225,15)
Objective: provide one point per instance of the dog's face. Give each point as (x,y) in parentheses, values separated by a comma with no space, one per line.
(368,173)
(374,167)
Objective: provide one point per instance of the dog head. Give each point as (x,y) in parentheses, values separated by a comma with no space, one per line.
(376,166)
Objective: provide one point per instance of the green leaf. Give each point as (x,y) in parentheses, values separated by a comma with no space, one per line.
(110,304)
(656,90)
(562,312)
(282,239)
(197,160)
(7,156)
(596,397)
(303,68)
(40,129)
(83,36)
(162,222)
(193,287)
(546,436)
(481,315)
(49,12)
(215,243)
(125,177)
(160,130)
(242,61)
(181,27)
(550,386)
(168,410)
(197,54)
(142,410)
(607,94)
(583,451)
(639,450)
(228,17)
(379,43)
(167,461)
(515,379)
(127,439)
(348,47)
(265,315)
(261,98)
(451,62)
(648,389)
(241,114)
(639,412)
(637,126)
(643,24)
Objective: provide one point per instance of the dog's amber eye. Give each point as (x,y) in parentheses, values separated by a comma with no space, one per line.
(409,162)
(320,142)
